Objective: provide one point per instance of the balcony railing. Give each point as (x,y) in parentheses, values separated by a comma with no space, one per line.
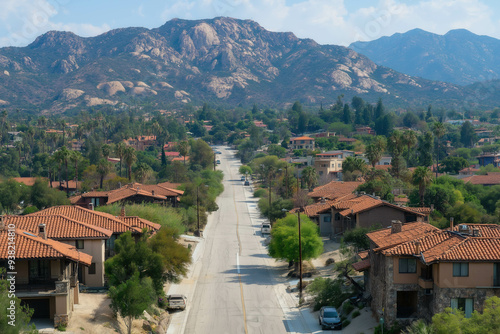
(425,283)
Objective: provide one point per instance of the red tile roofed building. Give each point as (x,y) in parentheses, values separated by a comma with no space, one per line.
(260,124)
(300,143)
(490,179)
(133,192)
(87,238)
(29,181)
(46,273)
(334,189)
(350,211)
(342,139)
(417,270)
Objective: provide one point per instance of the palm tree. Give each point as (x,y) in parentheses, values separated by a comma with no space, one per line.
(130,157)
(106,150)
(439,131)
(310,177)
(143,172)
(75,157)
(103,168)
(422,177)
(409,139)
(183,148)
(62,157)
(120,151)
(375,149)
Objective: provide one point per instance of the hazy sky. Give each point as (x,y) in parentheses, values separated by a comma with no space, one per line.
(326,21)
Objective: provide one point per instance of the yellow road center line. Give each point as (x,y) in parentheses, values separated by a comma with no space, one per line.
(237,255)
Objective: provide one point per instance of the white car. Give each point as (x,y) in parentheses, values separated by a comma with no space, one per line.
(265,228)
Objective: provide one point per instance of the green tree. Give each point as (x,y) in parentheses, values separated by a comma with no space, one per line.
(62,156)
(353,164)
(130,157)
(347,115)
(42,196)
(284,243)
(375,150)
(310,177)
(143,172)
(132,297)
(327,292)
(120,152)
(453,165)
(14,318)
(75,157)
(439,131)
(103,169)
(421,178)
(183,148)
(425,149)
(419,327)
(468,136)
(245,170)
(133,257)
(201,154)
(410,140)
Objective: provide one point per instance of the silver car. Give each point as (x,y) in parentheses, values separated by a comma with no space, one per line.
(329,318)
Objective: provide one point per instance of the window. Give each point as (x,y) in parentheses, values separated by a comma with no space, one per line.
(407,266)
(79,244)
(337,216)
(327,219)
(464,304)
(496,274)
(92,269)
(39,271)
(460,269)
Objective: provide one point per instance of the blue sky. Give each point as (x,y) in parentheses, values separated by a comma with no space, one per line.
(326,21)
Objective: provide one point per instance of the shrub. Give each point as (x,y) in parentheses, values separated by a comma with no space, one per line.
(356,314)
(326,291)
(260,193)
(347,308)
(345,323)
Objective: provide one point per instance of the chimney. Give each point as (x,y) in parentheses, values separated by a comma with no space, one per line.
(152,192)
(451,223)
(91,206)
(396,226)
(323,200)
(122,211)
(42,231)
(417,247)
(475,232)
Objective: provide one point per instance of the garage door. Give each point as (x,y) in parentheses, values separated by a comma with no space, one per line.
(41,307)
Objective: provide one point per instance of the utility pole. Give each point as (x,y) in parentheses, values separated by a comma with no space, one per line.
(300,240)
(198,210)
(214,160)
(286,179)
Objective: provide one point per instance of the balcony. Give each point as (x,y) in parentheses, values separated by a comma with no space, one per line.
(425,283)
(49,287)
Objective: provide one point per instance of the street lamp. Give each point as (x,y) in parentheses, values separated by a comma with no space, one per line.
(300,241)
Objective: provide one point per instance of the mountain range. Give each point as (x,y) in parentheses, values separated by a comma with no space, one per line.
(222,60)
(460,56)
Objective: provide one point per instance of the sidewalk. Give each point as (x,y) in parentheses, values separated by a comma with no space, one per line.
(302,319)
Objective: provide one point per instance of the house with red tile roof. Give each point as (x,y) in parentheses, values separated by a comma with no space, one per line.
(490,179)
(45,272)
(130,193)
(334,189)
(115,224)
(330,163)
(301,143)
(416,270)
(350,211)
(84,237)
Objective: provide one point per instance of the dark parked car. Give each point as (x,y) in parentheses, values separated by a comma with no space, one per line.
(242,178)
(329,318)
(247,183)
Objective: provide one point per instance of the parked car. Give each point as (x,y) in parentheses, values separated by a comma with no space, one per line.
(242,178)
(329,318)
(218,162)
(177,302)
(265,228)
(247,183)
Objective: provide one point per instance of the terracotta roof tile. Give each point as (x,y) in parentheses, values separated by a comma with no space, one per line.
(384,238)
(314,209)
(488,179)
(364,254)
(363,203)
(30,246)
(58,227)
(474,249)
(335,189)
(301,138)
(485,230)
(140,223)
(361,265)
(90,217)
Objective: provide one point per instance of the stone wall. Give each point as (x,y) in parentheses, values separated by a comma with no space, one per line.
(442,297)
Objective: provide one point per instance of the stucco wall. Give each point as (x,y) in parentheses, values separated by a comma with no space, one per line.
(95,248)
(480,275)
(22,269)
(406,278)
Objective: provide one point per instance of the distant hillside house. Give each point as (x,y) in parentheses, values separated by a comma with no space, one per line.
(330,163)
(130,193)
(300,143)
(487,159)
(490,179)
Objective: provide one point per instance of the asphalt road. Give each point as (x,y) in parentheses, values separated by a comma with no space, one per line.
(231,289)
